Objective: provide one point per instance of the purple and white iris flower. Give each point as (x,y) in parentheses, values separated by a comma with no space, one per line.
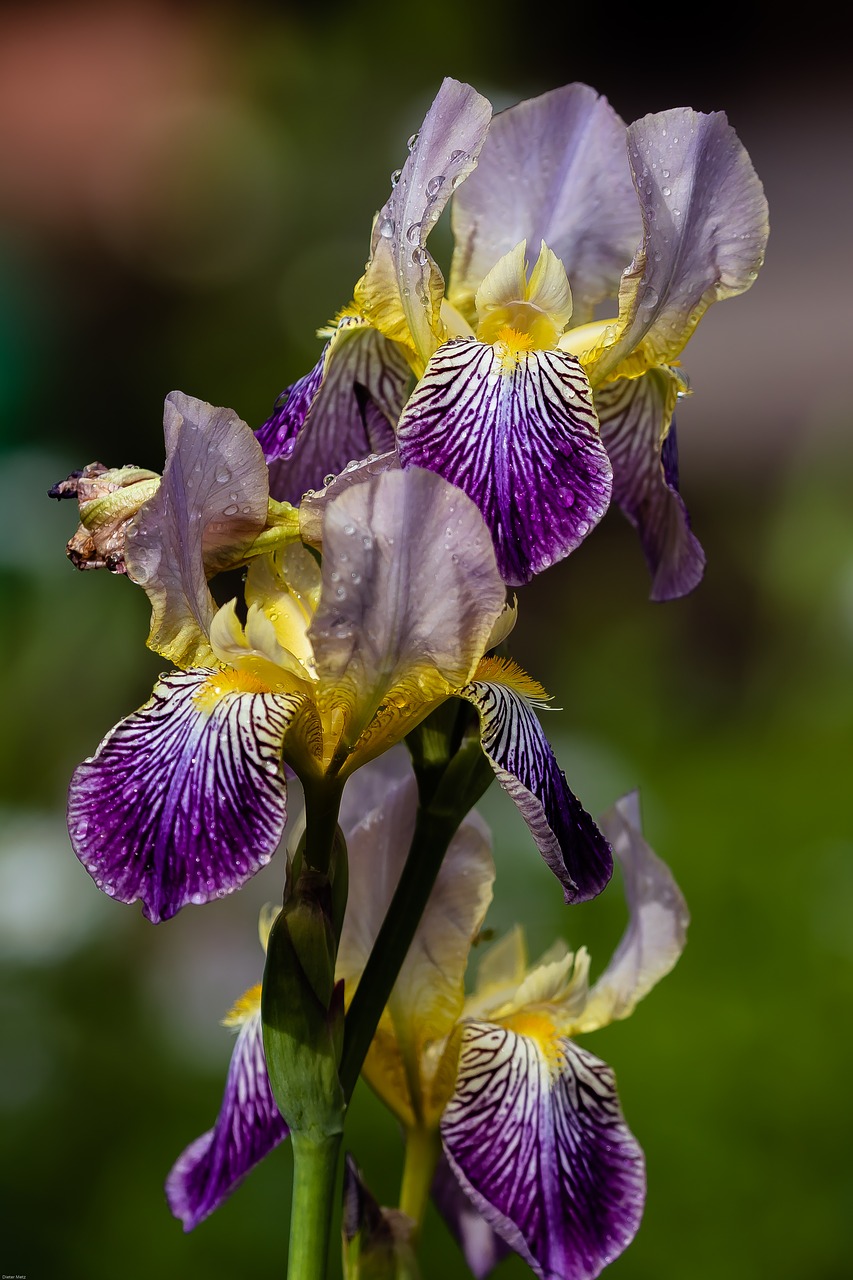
(534,1153)
(524,398)
(323,666)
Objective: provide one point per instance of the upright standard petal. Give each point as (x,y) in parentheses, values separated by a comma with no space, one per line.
(410,594)
(248,1127)
(185,799)
(428,993)
(657,924)
(553,168)
(343,410)
(516,430)
(525,766)
(401,290)
(637,428)
(705,232)
(536,1137)
(212,501)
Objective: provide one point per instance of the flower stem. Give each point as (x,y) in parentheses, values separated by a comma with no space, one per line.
(315,1166)
(464,780)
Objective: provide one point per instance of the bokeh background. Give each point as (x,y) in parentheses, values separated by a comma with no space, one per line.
(185,195)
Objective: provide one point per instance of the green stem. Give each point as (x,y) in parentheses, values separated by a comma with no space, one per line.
(463,782)
(423,1147)
(315,1167)
(322,804)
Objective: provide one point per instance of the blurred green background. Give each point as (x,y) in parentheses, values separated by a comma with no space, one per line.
(185,195)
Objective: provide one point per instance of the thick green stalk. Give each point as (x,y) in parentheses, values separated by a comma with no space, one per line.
(315,1167)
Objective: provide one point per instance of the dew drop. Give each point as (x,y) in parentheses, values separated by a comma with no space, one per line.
(396,176)
(412,142)
(327,480)
(231,509)
(667,191)
(413,233)
(223,475)
(340,592)
(434,185)
(419,257)
(386,228)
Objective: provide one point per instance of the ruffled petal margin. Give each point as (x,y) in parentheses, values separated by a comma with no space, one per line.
(517,432)
(537,1140)
(639,435)
(526,768)
(185,799)
(248,1127)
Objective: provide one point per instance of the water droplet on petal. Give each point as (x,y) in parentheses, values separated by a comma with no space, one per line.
(413,233)
(223,475)
(396,176)
(455,156)
(412,142)
(667,191)
(327,480)
(434,185)
(231,509)
(386,228)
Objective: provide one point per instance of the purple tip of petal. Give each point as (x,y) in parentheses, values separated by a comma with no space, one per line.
(277,436)
(482,1247)
(526,768)
(522,441)
(248,1127)
(181,804)
(543,1151)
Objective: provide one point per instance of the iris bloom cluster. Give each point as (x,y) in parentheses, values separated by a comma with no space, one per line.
(547,370)
(496,1077)
(334,585)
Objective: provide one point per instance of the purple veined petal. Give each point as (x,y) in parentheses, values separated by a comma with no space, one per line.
(401,290)
(536,1137)
(657,924)
(520,437)
(553,168)
(482,1247)
(185,799)
(410,594)
(345,409)
(638,431)
(526,768)
(705,232)
(248,1127)
(212,501)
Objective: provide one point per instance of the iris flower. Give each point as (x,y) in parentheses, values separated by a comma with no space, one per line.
(323,667)
(535,1155)
(515,370)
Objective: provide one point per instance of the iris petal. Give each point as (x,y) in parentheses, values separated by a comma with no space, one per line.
(410,594)
(249,1126)
(212,501)
(536,1137)
(401,290)
(185,799)
(482,1247)
(635,416)
(341,411)
(705,231)
(525,766)
(657,926)
(553,168)
(518,433)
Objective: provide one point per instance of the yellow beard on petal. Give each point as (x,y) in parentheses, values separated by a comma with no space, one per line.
(538,1027)
(246,1007)
(228,680)
(507,672)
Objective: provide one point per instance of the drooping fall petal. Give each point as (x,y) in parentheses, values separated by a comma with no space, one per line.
(536,1137)
(516,430)
(185,799)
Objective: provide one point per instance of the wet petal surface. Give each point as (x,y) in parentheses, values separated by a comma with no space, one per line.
(518,433)
(525,766)
(185,799)
(536,1137)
